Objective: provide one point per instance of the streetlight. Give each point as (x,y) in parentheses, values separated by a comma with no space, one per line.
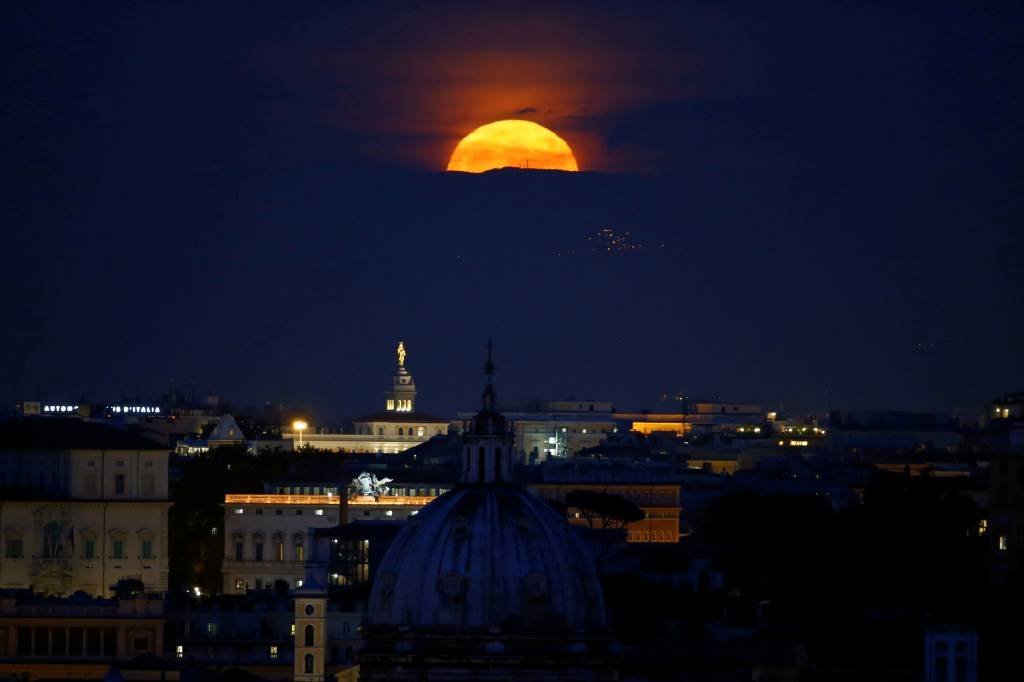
(299,426)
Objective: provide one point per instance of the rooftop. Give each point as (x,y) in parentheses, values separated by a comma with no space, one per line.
(56,433)
(402,417)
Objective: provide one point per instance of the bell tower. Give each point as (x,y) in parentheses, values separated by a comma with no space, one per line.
(489,439)
(402,396)
(310,632)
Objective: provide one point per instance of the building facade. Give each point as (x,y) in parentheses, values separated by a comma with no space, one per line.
(659,502)
(398,427)
(556,428)
(84,506)
(78,637)
(268,537)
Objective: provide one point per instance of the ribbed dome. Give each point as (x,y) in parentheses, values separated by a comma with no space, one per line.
(487,582)
(483,557)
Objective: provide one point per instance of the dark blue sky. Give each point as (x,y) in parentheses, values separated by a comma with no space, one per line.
(250,199)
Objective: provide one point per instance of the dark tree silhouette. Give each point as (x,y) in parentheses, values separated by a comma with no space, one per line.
(613,511)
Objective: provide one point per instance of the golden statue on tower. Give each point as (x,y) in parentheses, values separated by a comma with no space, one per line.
(401,354)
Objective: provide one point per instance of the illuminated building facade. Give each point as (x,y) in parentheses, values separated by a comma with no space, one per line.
(660,504)
(562,428)
(395,429)
(386,507)
(556,428)
(83,505)
(268,537)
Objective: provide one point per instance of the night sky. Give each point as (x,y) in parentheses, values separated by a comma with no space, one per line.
(823,200)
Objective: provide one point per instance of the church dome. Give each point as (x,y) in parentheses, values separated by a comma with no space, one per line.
(487,577)
(488,556)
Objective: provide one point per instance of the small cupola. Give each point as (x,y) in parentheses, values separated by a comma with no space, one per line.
(489,439)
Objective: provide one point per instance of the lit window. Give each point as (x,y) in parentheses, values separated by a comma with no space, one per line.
(239,510)
(1002,543)
(388,513)
(319,512)
(982,526)
(179,651)
(211,628)
(298,583)
(273,651)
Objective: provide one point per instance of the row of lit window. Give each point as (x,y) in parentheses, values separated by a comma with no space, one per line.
(651,536)
(278,512)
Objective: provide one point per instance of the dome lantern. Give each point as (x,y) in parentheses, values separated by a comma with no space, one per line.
(489,440)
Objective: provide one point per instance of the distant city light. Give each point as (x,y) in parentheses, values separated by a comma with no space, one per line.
(299,426)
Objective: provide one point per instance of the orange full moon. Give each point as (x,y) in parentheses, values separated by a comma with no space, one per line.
(515,143)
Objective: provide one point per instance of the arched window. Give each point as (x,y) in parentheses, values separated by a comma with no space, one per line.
(309,664)
(497,464)
(400,431)
(380,430)
(308,636)
(51,540)
(481,462)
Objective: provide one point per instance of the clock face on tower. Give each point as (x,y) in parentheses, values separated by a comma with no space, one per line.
(309,609)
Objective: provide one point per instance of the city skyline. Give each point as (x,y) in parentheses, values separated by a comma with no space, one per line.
(363,402)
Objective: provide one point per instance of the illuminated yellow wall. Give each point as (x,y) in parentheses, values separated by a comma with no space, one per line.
(647,428)
(717,466)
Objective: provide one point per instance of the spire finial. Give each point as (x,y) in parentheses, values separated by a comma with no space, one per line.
(489,367)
